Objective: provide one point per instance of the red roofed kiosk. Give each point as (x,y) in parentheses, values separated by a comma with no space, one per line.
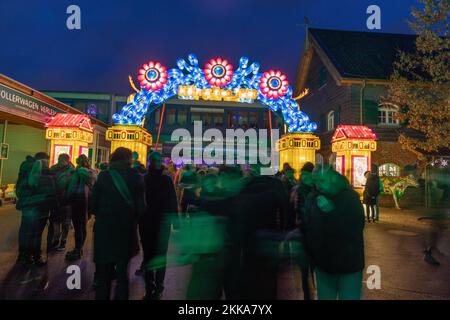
(69,133)
(354,146)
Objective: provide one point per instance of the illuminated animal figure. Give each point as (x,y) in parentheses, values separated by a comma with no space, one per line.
(397,186)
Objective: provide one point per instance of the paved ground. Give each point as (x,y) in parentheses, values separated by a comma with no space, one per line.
(395,245)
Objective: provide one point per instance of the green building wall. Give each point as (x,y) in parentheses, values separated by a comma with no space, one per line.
(23,141)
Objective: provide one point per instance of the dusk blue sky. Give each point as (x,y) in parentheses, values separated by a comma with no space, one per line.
(117,37)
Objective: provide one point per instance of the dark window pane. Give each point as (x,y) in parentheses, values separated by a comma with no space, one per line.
(207,119)
(182,116)
(243,119)
(218,119)
(266,119)
(232,119)
(253,119)
(196,116)
(170,116)
(157,116)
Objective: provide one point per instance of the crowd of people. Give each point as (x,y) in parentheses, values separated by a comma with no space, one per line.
(234,226)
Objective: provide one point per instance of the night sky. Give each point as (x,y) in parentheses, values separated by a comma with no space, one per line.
(117,37)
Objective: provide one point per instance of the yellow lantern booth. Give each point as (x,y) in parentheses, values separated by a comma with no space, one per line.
(133,137)
(70,134)
(353,146)
(297,148)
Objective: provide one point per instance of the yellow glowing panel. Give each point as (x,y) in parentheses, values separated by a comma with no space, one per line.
(298,148)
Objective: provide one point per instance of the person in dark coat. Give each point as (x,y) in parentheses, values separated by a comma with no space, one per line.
(60,218)
(297,237)
(370,194)
(287,177)
(334,224)
(22,193)
(189,183)
(118,200)
(155,225)
(79,192)
(137,165)
(36,197)
(214,238)
(264,209)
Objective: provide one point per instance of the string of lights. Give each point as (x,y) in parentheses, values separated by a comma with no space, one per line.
(217,80)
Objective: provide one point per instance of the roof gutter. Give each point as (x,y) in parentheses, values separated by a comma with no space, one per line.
(367,81)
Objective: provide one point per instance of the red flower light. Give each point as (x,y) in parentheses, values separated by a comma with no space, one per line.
(218,72)
(152,75)
(273,84)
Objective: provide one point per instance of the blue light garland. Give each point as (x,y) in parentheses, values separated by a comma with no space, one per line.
(189,73)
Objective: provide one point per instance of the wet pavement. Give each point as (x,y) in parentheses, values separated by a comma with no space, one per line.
(395,245)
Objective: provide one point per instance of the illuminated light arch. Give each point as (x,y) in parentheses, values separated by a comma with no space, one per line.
(217,81)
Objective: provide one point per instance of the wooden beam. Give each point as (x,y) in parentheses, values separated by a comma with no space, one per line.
(303,70)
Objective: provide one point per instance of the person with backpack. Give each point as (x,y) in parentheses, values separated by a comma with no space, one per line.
(118,201)
(79,192)
(36,194)
(60,218)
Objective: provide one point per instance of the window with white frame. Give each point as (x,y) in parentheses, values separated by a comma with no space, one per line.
(330,121)
(387,115)
(389,170)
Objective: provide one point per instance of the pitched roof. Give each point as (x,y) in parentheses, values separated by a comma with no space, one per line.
(362,55)
(67,120)
(353,132)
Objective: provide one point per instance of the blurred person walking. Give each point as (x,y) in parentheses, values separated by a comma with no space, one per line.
(296,238)
(36,194)
(118,201)
(60,218)
(79,192)
(23,191)
(188,183)
(137,165)
(333,225)
(155,225)
(262,224)
(212,240)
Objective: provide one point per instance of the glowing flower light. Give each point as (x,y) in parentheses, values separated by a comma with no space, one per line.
(152,75)
(218,72)
(273,84)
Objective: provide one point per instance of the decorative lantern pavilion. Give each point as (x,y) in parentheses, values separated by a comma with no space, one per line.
(70,134)
(133,137)
(297,148)
(354,146)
